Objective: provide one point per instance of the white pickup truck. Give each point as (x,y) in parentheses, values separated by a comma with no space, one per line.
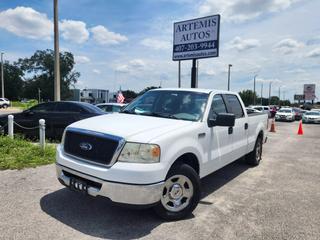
(157,149)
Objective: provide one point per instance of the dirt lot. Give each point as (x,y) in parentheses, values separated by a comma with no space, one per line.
(280,199)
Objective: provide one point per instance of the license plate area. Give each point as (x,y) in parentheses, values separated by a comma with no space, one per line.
(78,185)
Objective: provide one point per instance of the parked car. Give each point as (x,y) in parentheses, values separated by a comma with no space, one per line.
(311,117)
(4,103)
(285,114)
(297,113)
(156,150)
(315,109)
(265,109)
(111,107)
(58,115)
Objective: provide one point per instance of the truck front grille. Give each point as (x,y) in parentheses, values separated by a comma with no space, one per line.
(98,148)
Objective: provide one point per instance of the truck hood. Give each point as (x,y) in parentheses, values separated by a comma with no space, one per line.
(135,128)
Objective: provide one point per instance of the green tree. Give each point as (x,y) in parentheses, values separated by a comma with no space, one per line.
(274,100)
(40,71)
(147,89)
(13,83)
(247,96)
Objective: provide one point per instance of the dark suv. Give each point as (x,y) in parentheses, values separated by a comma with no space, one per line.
(58,116)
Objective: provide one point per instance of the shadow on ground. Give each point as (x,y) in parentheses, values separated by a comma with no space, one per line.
(97,217)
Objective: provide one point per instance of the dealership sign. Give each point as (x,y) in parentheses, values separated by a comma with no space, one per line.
(298,97)
(196,38)
(309,91)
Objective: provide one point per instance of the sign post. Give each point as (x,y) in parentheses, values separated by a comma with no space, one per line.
(309,91)
(194,39)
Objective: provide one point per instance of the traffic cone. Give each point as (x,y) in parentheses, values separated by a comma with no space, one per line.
(273,127)
(300,130)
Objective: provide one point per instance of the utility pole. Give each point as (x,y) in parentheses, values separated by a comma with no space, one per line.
(2,77)
(56,53)
(254,89)
(270,92)
(229,66)
(261,92)
(279,96)
(179,74)
(39,95)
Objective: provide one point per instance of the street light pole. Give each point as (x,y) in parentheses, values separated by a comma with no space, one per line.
(261,93)
(254,89)
(56,53)
(229,66)
(2,77)
(270,83)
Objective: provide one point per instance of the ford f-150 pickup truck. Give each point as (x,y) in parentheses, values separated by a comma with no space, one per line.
(156,150)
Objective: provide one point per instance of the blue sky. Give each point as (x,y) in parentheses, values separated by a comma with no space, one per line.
(129,43)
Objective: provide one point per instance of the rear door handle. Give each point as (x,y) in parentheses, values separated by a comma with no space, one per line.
(246,125)
(230,130)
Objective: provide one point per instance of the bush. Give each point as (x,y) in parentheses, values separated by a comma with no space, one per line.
(19,153)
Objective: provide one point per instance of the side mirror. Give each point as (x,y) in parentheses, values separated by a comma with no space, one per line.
(223,120)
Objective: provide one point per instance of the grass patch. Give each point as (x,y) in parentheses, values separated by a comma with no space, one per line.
(24,105)
(19,153)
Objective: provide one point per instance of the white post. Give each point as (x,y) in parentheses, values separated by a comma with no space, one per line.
(42,133)
(10,126)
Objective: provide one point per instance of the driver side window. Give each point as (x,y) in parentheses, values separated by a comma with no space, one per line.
(217,106)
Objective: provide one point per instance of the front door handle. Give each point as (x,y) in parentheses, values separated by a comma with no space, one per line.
(246,125)
(230,130)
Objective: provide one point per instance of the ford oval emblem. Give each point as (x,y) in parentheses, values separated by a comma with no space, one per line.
(85,146)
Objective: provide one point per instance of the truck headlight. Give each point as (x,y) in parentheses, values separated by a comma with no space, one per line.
(140,153)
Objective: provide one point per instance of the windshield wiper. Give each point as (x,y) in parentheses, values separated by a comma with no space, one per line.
(127,111)
(163,115)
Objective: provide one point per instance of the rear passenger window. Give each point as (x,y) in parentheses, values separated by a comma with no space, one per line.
(67,107)
(217,106)
(234,105)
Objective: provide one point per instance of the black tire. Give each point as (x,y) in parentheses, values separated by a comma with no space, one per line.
(5,106)
(189,173)
(254,157)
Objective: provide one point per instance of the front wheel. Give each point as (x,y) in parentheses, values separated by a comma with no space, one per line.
(254,157)
(180,193)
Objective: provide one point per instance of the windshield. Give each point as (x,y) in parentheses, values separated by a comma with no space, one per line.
(285,110)
(312,113)
(184,105)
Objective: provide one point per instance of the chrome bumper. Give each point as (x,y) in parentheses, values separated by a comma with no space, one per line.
(116,192)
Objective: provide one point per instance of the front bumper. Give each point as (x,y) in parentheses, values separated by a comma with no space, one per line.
(142,194)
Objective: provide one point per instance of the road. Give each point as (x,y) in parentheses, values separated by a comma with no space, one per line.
(277,200)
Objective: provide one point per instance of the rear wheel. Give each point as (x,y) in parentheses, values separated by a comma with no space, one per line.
(254,157)
(180,194)
(5,106)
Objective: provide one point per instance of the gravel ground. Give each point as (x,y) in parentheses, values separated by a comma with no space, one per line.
(280,199)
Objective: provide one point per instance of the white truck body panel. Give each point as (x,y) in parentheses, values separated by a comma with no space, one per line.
(212,146)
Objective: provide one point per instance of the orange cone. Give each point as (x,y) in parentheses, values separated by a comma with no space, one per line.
(273,127)
(300,130)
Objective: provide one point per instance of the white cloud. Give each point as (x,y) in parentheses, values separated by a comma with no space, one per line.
(137,63)
(81,59)
(26,22)
(314,53)
(156,44)
(242,44)
(96,71)
(295,71)
(131,66)
(242,10)
(267,80)
(287,46)
(75,31)
(103,36)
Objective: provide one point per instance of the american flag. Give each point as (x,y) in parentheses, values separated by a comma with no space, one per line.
(120,97)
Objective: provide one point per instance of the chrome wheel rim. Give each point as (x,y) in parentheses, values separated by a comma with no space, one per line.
(176,193)
(258,151)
